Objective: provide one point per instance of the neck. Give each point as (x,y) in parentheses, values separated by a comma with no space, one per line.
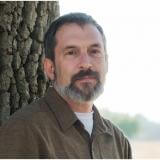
(83,107)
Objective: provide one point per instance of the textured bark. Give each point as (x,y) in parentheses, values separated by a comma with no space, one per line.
(22,27)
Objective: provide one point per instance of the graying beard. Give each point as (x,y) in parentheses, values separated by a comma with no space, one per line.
(77,95)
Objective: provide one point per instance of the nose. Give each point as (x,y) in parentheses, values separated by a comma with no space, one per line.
(85,61)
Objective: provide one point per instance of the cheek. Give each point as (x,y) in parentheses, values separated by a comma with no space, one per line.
(64,74)
(58,73)
(103,68)
(105,65)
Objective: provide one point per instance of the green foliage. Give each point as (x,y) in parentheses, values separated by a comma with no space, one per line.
(137,127)
(129,125)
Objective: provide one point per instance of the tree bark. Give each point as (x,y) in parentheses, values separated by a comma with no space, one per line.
(22,27)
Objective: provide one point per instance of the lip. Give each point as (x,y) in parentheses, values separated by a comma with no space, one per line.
(87,79)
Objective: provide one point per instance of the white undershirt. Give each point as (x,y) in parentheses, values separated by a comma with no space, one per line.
(87,120)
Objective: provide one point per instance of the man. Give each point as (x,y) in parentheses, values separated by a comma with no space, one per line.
(65,123)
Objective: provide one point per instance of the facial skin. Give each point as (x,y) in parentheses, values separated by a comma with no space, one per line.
(79,62)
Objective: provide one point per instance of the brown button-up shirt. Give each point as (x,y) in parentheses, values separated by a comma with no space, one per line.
(48,128)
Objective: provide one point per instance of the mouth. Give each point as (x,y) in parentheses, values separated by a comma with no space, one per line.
(89,76)
(87,79)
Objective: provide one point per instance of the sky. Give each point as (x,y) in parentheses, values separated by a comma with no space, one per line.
(132,29)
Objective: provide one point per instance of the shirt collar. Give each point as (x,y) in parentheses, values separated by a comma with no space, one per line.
(61,109)
(66,117)
(99,126)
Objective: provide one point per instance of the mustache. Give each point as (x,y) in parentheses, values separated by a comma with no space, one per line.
(84,73)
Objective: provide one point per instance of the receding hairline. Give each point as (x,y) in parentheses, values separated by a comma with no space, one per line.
(82,25)
(78,18)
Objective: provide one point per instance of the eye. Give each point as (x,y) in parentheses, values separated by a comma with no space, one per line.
(96,52)
(71,52)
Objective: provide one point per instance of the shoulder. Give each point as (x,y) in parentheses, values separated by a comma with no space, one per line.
(28,113)
(27,124)
(115,130)
(120,139)
(21,133)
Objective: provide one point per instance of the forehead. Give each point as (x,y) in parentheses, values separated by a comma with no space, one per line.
(74,33)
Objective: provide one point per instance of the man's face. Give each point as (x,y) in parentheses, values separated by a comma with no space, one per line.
(80,63)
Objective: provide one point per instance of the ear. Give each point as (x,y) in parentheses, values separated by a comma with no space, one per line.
(49,68)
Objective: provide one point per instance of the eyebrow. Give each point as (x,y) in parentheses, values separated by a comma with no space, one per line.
(96,45)
(69,47)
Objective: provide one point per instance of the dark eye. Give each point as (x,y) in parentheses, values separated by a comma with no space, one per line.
(71,52)
(96,52)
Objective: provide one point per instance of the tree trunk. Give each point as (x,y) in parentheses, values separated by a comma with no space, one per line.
(22,27)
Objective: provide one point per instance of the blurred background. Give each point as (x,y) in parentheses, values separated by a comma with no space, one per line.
(131,97)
